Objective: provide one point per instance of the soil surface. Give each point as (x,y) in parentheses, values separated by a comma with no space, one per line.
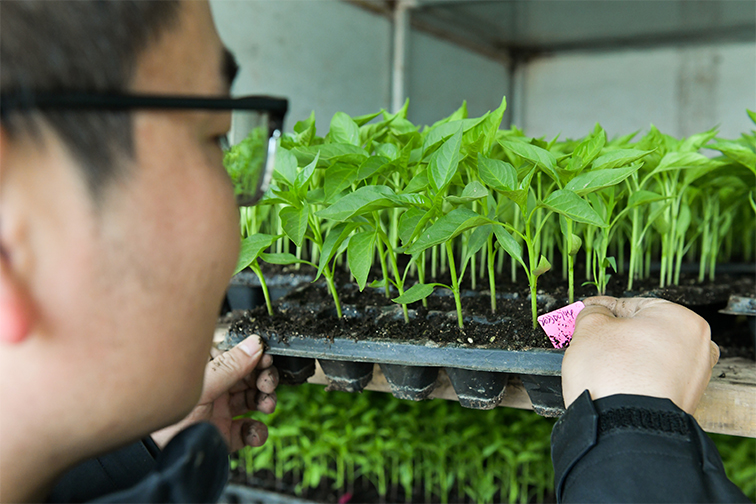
(309,310)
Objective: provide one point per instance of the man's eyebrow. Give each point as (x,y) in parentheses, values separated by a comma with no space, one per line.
(230,67)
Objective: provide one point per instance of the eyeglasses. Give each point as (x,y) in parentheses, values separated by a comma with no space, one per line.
(251,144)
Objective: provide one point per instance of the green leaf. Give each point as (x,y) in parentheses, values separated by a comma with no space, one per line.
(364,119)
(572,206)
(343,130)
(330,153)
(338,177)
(360,255)
(388,150)
(301,126)
(587,150)
(736,152)
(508,243)
(447,227)
(416,293)
(371,166)
(616,158)
(543,266)
(443,164)
(694,142)
(294,222)
(365,199)
(333,240)
(610,261)
(472,191)
(594,180)
(418,183)
(305,130)
(304,176)
(251,247)
(642,198)
(680,160)
(408,223)
(496,174)
(534,154)
(575,244)
(282,258)
(477,240)
(285,168)
(435,136)
(276,195)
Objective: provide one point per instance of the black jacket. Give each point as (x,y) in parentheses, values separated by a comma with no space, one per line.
(628,448)
(193,467)
(622,448)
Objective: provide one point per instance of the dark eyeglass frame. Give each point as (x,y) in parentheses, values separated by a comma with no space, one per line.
(275,107)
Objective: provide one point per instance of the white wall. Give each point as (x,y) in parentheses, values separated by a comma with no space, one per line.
(440,75)
(329,55)
(323,55)
(680,91)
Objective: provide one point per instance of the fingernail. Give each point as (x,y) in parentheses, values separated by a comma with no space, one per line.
(245,349)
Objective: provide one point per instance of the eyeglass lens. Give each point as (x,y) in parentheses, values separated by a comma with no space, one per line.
(250,158)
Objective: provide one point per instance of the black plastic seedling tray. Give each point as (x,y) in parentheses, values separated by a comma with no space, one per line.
(479,375)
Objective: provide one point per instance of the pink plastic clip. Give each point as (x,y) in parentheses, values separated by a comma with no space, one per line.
(560,324)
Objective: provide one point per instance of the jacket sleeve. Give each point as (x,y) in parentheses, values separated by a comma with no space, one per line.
(106,474)
(193,467)
(628,448)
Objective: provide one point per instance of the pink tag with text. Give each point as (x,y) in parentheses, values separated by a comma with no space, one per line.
(560,324)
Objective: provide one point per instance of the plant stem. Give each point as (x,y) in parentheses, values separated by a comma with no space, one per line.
(513,262)
(382,259)
(570,262)
(455,282)
(421,274)
(491,276)
(434,261)
(635,249)
(532,279)
(254,266)
(328,274)
(395,268)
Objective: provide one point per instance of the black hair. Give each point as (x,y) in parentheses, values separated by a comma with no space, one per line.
(81,46)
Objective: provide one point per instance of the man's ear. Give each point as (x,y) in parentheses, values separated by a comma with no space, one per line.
(16,307)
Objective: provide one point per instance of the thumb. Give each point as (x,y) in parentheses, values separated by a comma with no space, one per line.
(227,369)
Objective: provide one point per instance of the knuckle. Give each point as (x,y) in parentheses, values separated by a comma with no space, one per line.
(227,362)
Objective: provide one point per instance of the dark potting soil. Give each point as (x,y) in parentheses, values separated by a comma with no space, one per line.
(309,310)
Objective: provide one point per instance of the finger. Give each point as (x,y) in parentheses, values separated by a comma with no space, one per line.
(265,362)
(593,312)
(229,368)
(250,381)
(714,355)
(247,432)
(623,307)
(266,403)
(241,402)
(267,380)
(251,400)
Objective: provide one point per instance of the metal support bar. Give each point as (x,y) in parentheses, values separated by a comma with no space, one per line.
(400,53)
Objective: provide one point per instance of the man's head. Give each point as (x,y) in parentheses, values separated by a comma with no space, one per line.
(118,232)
